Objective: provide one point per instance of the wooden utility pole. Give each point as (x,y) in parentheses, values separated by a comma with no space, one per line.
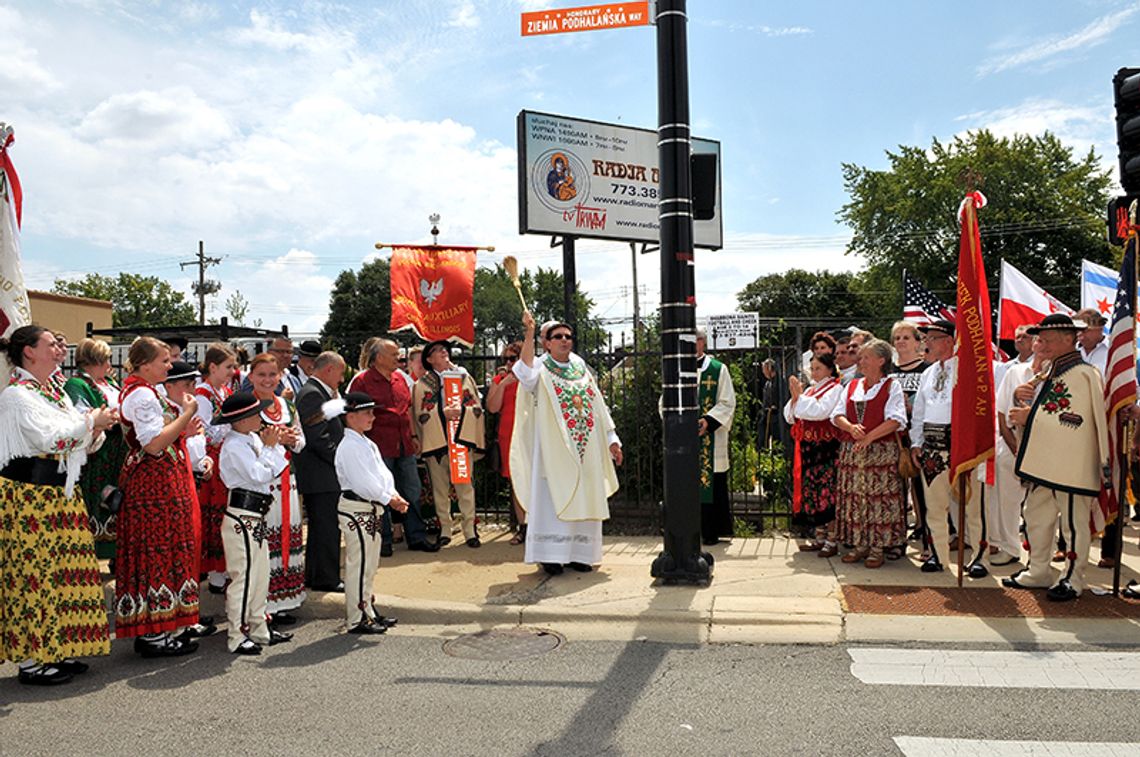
(203,287)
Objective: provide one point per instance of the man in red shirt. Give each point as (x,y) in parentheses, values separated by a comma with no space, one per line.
(392,433)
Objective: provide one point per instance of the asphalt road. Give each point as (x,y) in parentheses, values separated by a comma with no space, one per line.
(329,693)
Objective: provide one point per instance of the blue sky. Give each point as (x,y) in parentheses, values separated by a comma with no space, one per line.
(292,136)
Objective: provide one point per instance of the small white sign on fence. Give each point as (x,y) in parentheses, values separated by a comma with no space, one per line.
(733,331)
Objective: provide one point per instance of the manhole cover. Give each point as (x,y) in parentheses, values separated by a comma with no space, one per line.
(503,644)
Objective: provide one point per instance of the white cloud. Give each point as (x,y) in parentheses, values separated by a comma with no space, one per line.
(169,120)
(267,31)
(1095,33)
(761,29)
(464,16)
(22,74)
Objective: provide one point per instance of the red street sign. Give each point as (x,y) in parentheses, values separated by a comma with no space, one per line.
(585,19)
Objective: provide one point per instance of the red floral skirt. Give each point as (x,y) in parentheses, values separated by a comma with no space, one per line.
(212,500)
(156,566)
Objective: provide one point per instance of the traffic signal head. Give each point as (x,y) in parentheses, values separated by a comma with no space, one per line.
(1126,89)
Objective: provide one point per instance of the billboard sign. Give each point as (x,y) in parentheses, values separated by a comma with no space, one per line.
(597,181)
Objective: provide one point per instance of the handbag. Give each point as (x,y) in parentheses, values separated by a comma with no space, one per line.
(907,468)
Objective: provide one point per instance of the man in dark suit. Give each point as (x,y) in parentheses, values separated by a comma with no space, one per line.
(315,467)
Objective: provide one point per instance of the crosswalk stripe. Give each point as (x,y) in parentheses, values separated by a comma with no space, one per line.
(932,747)
(1106,671)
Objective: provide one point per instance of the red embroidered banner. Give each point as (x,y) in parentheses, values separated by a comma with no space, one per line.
(456,453)
(972,417)
(432,292)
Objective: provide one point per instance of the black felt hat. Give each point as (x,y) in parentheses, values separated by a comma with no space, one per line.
(180,370)
(239,406)
(431,346)
(354,401)
(942,326)
(309,348)
(180,342)
(1057,322)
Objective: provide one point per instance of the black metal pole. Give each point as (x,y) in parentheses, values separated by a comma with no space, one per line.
(682,559)
(569,284)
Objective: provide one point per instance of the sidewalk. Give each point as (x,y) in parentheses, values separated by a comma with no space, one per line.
(764,590)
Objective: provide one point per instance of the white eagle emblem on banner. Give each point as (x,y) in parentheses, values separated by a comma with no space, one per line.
(432,291)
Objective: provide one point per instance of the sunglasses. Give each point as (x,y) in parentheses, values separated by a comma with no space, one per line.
(512,358)
(552,337)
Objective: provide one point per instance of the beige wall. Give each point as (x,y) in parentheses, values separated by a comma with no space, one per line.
(60,312)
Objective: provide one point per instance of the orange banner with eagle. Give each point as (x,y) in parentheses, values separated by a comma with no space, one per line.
(433,292)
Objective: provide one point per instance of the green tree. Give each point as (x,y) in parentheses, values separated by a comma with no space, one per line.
(803,294)
(1045,213)
(138,301)
(360,307)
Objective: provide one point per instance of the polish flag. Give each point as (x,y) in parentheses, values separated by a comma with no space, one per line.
(1023,302)
(15,310)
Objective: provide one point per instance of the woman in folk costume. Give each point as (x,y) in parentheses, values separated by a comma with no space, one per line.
(816,448)
(431,418)
(51,598)
(286,550)
(156,565)
(563,450)
(94,387)
(909,345)
(869,510)
(217,373)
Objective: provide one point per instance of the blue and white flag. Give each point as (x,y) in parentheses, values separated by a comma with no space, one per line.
(1098,289)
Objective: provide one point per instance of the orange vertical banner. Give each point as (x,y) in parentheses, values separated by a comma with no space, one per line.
(433,290)
(972,441)
(458,455)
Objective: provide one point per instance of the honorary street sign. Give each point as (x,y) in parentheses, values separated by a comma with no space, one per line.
(596,180)
(733,331)
(609,16)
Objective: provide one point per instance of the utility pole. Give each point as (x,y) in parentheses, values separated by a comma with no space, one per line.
(203,287)
(682,559)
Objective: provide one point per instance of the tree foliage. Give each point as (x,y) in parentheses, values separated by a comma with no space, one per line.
(803,294)
(138,301)
(1045,212)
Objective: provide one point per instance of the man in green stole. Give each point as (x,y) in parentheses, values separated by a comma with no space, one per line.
(717,401)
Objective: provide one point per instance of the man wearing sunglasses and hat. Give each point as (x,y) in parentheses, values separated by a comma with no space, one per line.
(251,459)
(563,451)
(930,450)
(1063,458)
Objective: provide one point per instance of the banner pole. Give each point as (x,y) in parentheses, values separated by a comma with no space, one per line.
(387,246)
(1129,427)
(961,522)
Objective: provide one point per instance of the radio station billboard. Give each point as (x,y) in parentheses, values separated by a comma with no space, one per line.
(597,181)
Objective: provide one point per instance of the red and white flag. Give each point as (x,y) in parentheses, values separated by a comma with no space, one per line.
(1021,302)
(14,308)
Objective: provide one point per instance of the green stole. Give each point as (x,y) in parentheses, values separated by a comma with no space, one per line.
(707,391)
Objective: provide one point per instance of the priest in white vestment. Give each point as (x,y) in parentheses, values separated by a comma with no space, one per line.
(563,451)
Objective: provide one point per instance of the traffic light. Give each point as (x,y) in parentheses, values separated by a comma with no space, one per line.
(703,167)
(1126,90)
(1118,219)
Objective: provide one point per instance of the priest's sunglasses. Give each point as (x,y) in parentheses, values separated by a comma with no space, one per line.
(560,335)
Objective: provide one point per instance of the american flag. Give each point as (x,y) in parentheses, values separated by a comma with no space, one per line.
(1120,368)
(920,306)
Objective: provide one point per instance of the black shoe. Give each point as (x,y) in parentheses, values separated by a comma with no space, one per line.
(710,542)
(474,542)
(444,541)
(977,570)
(386,549)
(552,568)
(1062,592)
(337,588)
(198,631)
(217,589)
(248,647)
(73,667)
(282,618)
(366,628)
(45,675)
(932,566)
(168,647)
(384,620)
(423,546)
(581,567)
(278,637)
(1011,583)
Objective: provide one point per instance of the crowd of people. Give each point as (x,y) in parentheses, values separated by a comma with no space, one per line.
(871,426)
(189,476)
